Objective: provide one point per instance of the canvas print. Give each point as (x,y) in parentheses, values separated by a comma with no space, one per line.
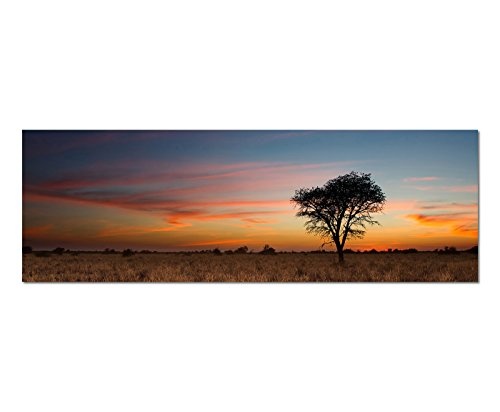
(250,206)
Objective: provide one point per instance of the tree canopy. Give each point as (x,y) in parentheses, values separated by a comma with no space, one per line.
(341,209)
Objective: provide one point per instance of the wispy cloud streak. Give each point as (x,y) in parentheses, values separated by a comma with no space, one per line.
(457,223)
(421,179)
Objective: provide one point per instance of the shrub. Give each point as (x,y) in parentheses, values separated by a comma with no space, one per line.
(268,250)
(27,249)
(448,250)
(241,250)
(127,253)
(217,252)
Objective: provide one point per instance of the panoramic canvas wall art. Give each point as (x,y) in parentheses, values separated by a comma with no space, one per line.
(250,206)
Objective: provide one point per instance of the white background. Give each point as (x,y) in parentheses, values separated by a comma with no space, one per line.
(259,64)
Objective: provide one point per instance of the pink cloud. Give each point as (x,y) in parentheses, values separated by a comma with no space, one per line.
(36,231)
(408,205)
(449,206)
(139,172)
(453,189)
(193,201)
(421,179)
(393,205)
(464,189)
(201,192)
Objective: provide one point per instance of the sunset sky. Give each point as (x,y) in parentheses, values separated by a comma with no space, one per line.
(194,190)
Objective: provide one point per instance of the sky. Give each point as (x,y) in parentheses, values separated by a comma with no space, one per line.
(196,190)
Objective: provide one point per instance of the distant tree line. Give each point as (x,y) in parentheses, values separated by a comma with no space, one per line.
(242,250)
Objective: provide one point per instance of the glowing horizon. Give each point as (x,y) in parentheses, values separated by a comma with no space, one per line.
(195,190)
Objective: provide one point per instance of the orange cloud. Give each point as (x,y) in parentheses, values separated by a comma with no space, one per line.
(458,223)
(465,230)
(257,221)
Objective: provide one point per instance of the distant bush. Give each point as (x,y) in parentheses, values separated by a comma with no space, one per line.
(268,250)
(349,251)
(27,249)
(473,249)
(241,250)
(217,252)
(229,252)
(411,250)
(58,250)
(127,253)
(109,251)
(448,250)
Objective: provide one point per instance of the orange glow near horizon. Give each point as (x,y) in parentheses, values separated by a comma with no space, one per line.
(402,227)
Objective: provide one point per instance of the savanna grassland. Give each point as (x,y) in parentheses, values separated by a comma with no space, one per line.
(283,267)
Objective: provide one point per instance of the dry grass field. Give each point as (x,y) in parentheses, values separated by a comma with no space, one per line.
(287,267)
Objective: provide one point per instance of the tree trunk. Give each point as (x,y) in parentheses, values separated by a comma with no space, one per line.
(340,252)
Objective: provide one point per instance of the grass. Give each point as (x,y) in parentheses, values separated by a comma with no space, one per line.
(300,267)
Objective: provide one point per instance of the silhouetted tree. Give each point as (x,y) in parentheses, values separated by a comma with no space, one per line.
(217,252)
(127,253)
(242,249)
(268,250)
(341,209)
(27,249)
(448,250)
(58,250)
